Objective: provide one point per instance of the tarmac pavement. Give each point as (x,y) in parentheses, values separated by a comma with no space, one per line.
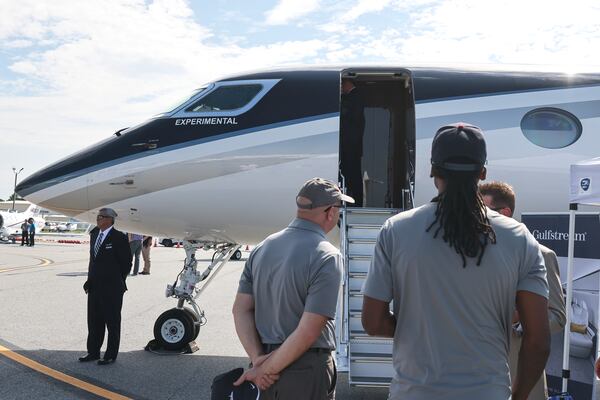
(43,317)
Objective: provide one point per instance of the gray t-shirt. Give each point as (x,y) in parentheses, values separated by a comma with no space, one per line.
(453,323)
(290,272)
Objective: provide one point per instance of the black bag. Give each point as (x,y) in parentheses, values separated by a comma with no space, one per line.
(222,387)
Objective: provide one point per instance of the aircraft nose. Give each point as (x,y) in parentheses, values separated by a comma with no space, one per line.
(60,187)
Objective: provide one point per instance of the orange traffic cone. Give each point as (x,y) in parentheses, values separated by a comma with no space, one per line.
(177,246)
(247,248)
(155,242)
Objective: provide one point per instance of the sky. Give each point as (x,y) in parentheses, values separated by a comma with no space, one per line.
(73,72)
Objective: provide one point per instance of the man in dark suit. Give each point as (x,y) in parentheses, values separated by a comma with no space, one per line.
(352,125)
(110,263)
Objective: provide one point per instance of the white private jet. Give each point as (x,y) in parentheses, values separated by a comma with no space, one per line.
(10,221)
(228,162)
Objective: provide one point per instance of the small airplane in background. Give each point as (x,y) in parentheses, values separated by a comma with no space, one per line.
(10,222)
(223,167)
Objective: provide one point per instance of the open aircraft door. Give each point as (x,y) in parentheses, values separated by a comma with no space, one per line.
(377,159)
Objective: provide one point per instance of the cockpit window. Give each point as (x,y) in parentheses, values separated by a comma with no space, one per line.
(223,98)
(184,100)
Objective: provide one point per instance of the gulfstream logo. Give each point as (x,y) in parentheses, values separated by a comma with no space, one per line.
(207,121)
(555,235)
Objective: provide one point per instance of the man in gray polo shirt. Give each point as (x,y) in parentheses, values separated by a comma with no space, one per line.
(454,272)
(285,307)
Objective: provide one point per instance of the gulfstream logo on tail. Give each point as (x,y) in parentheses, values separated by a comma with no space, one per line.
(207,121)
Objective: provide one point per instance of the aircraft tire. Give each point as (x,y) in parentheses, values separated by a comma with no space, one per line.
(195,319)
(174,329)
(237,255)
(167,243)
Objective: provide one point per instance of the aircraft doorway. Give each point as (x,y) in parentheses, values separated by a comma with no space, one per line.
(377,137)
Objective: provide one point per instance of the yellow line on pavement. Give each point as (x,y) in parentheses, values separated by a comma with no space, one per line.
(43,263)
(88,387)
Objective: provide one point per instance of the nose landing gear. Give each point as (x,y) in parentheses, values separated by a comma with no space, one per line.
(177,328)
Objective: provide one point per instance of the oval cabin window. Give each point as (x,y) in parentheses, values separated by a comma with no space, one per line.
(551,128)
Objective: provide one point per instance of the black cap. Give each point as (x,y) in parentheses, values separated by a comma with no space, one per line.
(458,142)
(223,389)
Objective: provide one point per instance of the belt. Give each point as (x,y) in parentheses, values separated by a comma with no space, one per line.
(269,347)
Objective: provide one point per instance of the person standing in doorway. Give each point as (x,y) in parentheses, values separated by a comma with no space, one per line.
(146,246)
(500,197)
(455,273)
(110,263)
(352,127)
(31,227)
(25,233)
(135,243)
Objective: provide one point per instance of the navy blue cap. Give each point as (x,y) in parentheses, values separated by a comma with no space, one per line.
(461,143)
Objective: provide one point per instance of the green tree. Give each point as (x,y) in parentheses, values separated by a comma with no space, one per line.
(10,198)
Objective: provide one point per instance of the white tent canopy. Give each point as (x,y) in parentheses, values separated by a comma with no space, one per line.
(585,189)
(585,182)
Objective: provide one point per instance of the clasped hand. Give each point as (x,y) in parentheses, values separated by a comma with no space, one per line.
(258,375)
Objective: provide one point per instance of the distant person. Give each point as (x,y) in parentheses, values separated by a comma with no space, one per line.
(135,243)
(31,227)
(454,272)
(352,126)
(500,197)
(146,246)
(110,263)
(25,233)
(285,307)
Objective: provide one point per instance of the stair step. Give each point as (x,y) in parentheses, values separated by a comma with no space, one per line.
(363,231)
(377,357)
(370,381)
(361,248)
(359,265)
(368,216)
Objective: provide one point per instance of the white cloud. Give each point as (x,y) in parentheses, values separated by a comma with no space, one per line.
(363,7)
(289,10)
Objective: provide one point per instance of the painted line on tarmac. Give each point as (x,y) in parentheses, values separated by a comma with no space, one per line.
(88,387)
(43,263)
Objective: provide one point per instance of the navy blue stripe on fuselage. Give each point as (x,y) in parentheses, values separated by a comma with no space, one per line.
(431,85)
(26,188)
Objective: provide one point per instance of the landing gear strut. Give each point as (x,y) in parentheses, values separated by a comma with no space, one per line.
(176,328)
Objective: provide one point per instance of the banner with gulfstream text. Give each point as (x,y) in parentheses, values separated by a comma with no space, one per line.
(552,230)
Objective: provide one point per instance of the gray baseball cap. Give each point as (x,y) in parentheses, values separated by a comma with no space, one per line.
(107,212)
(320,192)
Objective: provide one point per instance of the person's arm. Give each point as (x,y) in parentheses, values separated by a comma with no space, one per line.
(597,368)
(535,344)
(245,325)
(376,318)
(556,301)
(306,333)
(125,256)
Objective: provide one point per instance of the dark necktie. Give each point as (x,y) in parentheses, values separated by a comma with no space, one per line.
(98,244)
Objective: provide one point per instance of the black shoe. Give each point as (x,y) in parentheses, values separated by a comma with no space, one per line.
(88,357)
(144,273)
(106,361)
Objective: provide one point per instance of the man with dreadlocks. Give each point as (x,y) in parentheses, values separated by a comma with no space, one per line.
(455,272)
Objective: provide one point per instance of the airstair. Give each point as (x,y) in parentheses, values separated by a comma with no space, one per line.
(367,359)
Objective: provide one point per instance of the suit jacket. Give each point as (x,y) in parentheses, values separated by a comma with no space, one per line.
(352,121)
(108,270)
(556,315)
